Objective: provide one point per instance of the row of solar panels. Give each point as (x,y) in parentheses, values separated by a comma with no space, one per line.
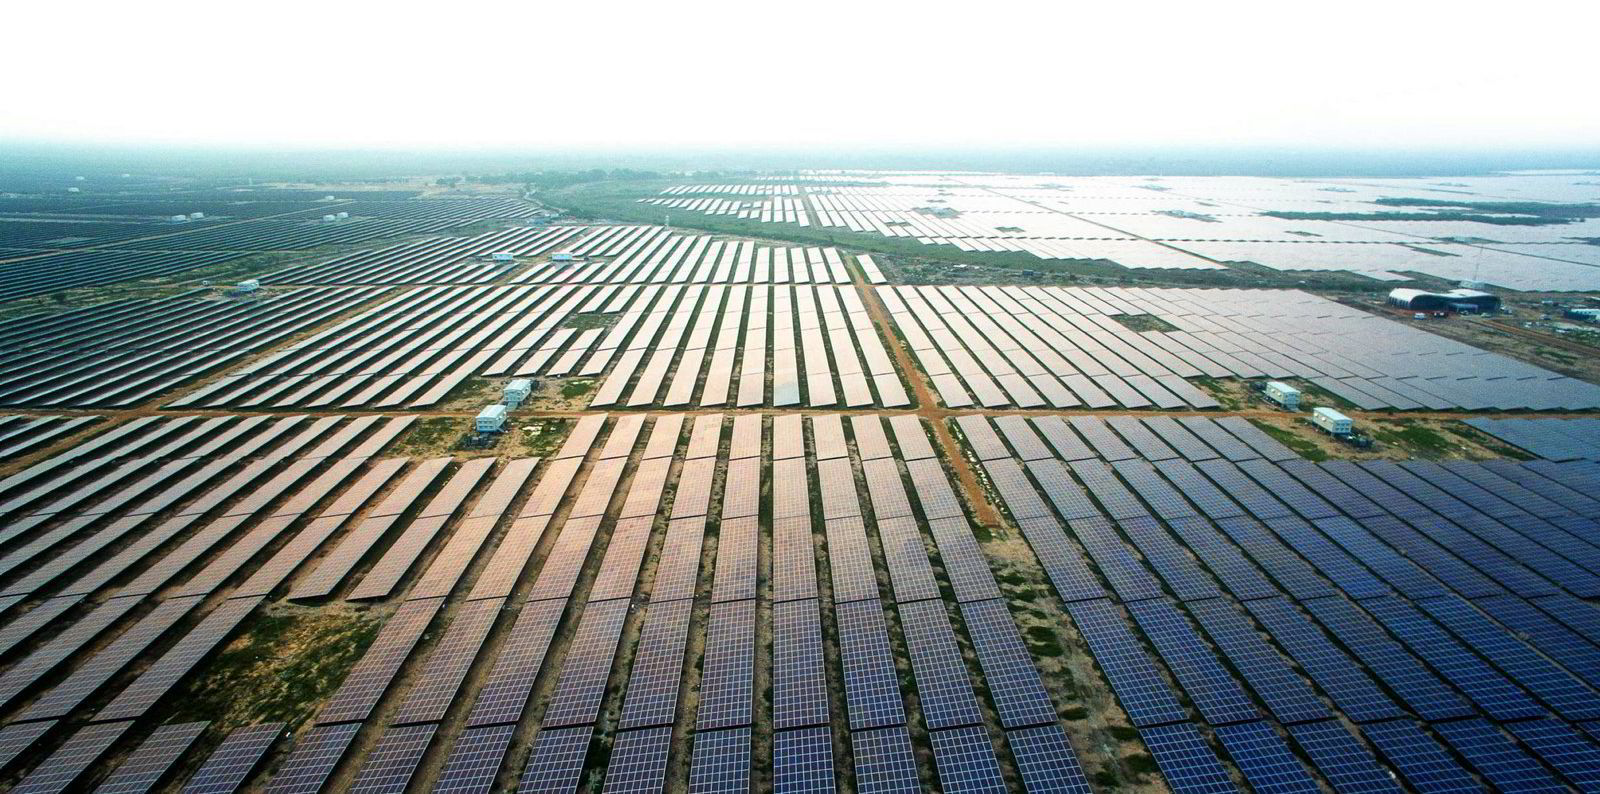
(1448,659)
(122,353)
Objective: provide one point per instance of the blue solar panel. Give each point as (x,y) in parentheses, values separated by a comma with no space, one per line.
(1208,497)
(1164,500)
(1210,686)
(1186,761)
(944,688)
(1490,690)
(1343,760)
(1014,682)
(1144,694)
(1046,761)
(1286,568)
(1328,559)
(1223,558)
(885,762)
(1129,577)
(556,762)
(1420,759)
(1171,561)
(1114,497)
(965,761)
(802,761)
(1400,573)
(1340,676)
(871,684)
(1061,559)
(1395,666)
(721,762)
(1286,694)
(1564,749)
(1559,690)
(1491,754)
(1265,759)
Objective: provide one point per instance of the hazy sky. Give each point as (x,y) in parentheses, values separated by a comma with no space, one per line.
(543,75)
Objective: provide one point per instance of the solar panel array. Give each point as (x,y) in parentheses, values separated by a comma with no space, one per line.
(1286,601)
(1035,347)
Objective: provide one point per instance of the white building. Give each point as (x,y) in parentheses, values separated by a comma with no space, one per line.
(1283,394)
(518,390)
(1331,421)
(492,419)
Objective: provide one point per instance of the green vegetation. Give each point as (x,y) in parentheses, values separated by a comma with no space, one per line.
(1106,778)
(1301,447)
(279,669)
(619,199)
(587,320)
(1409,435)
(1499,213)
(1144,322)
(1141,764)
(574,389)
(1043,642)
(427,435)
(1123,733)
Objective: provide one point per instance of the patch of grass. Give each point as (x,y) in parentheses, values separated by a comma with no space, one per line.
(1123,733)
(1106,778)
(1141,764)
(1043,642)
(1301,447)
(983,533)
(1075,713)
(551,432)
(1144,322)
(278,670)
(573,389)
(584,321)
(1413,436)
(427,435)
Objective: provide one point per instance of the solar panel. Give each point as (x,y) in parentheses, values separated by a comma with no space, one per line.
(964,563)
(1286,694)
(1115,499)
(1265,759)
(1559,690)
(1419,758)
(92,673)
(791,494)
(1186,761)
(850,559)
(165,672)
(944,687)
(1491,691)
(911,437)
(1046,761)
(391,763)
(888,494)
(1172,562)
(799,680)
(638,761)
(1014,684)
(1210,686)
(228,766)
(587,666)
(1140,438)
(872,691)
(721,762)
(836,483)
(1341,758)
(475,760)
(556,762)
(705,437)
(885,762)
(19,736)
(727,681)
(69,761)
(657,673)
(1066,443)
(1144,695)
(155,757)
(1339,675)
(1127,575)
(910,571)
(312,760)
(521,656)
(447,665)
(1564,749)
(1504,765)
(735,575)
(746,439)
(1179,438)
(932,487)
(371,676)
(1397,668)
(827,435)
(985,443)
(965,760)
(664,436)
(802,761)
(788,437)
(871,442)
(794,570)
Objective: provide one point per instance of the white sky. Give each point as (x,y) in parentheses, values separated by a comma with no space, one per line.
(551,75)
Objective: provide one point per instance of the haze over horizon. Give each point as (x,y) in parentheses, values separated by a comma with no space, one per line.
(716,76)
